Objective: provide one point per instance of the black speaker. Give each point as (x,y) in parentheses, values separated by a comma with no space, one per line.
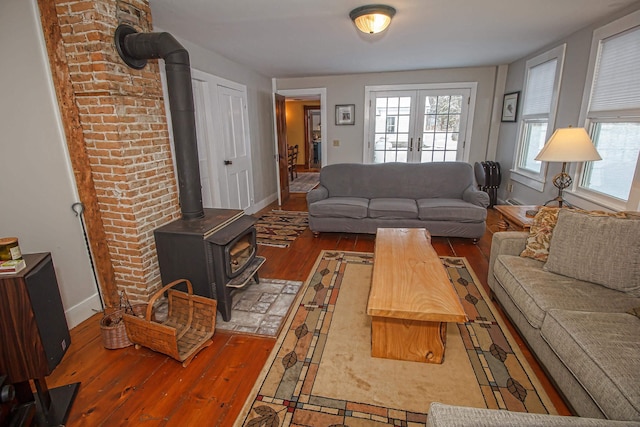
(46,304)
(33,323)
(35,336)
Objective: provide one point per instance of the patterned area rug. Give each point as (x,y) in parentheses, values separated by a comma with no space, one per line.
(305,182)
(312,380)
(280,228)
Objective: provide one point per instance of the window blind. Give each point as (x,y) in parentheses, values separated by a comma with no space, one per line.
(617,77)
(539,88)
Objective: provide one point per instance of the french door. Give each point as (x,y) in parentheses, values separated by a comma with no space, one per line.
(417,126)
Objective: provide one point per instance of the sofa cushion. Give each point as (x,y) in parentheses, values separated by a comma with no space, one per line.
(598,249)
(450,210)
(392,208)
(536,291)
(340,207)
(602,350)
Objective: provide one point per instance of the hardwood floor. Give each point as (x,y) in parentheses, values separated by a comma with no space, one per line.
(140,387)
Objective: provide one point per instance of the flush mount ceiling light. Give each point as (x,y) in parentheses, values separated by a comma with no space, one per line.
(373,18)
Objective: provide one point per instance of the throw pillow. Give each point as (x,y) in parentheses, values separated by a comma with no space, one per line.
(597,248)
(540,234)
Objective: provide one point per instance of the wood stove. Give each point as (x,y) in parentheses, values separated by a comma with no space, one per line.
(215,249)
(217,253)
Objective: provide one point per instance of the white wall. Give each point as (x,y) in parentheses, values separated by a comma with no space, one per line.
(569,102)
(37,187)
(350,89)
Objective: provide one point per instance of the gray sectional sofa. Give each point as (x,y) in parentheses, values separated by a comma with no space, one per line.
(359,198)
(573,309)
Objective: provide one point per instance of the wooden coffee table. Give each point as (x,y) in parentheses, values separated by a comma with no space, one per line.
(515,217)
(411,298)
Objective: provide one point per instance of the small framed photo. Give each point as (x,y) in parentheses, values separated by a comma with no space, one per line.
(510,107)
(345,114)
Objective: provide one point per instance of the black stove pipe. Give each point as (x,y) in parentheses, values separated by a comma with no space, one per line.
(135,48)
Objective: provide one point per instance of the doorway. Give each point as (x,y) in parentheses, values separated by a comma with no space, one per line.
(224,143)
(313,137)
(282,141)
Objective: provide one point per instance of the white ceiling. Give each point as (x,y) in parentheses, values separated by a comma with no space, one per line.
(295,38)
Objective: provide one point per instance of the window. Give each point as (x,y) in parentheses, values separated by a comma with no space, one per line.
(611,113)
(418,123)
(540,98)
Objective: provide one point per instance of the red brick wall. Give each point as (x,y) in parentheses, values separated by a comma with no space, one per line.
(124,124)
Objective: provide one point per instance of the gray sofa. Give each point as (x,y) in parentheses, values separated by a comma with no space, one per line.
(573,309)
(359,198)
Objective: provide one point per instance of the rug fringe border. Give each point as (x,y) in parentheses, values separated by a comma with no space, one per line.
(246,408)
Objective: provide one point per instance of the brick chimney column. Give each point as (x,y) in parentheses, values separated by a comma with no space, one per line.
(126,138)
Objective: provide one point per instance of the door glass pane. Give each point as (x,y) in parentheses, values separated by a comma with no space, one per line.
(402,143)
(619,145)
(438,156)
(402,156)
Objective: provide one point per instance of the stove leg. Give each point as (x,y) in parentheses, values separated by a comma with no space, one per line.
(223,296)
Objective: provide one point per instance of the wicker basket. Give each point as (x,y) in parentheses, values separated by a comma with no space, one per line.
(112,329)
(188,328)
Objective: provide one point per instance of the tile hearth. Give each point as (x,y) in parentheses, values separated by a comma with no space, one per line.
(261,308)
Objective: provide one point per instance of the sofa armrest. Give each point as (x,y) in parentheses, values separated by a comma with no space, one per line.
(475,196)
(316,194)
(505,243)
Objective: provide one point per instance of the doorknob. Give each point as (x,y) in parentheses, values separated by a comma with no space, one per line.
(228,162)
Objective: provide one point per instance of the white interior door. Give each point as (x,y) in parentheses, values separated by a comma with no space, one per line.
(237,193)
(222,130)
(206,148)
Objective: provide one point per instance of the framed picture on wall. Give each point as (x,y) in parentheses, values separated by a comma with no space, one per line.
(345,114)
(510,107)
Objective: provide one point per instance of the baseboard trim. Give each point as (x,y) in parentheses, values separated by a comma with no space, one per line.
(83,310)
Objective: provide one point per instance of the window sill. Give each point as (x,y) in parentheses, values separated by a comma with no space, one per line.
(527,180)
(591,201)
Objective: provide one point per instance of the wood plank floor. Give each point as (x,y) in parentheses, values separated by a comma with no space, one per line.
(143,388)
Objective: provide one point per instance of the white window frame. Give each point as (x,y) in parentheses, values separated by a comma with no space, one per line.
(369,95)
(582,196)
(520,174)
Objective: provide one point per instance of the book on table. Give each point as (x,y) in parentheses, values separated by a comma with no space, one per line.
(12,266)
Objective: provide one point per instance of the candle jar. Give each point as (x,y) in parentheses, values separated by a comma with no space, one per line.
(9,249)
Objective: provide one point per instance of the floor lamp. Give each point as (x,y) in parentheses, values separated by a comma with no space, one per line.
(567,145)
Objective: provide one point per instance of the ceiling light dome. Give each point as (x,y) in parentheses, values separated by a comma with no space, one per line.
(373,18)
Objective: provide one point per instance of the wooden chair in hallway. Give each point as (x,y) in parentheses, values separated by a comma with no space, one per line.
(293,160)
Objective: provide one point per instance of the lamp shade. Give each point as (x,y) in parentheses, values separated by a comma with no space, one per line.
(372,19)
(569,145)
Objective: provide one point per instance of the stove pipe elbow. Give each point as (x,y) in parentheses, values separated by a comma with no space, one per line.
(135,49)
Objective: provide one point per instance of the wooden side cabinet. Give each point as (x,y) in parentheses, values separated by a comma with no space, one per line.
(34,334)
